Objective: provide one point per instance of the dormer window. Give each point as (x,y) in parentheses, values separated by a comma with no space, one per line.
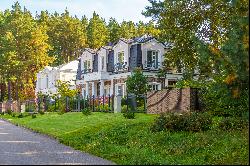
(152,59)
(86,65)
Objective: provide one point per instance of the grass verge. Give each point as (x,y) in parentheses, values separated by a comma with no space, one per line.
(129,141)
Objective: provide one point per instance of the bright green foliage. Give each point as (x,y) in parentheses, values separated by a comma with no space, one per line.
(141,28)
(152,30)
(137,83)
(192,122)
(67,35)
(213,37)
(113,27)
(127,30)
(23,51)
(97,32)
(64,94)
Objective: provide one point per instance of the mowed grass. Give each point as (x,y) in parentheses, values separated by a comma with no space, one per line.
(130,141)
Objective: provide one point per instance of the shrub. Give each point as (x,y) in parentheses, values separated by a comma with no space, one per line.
(33,116)
(140,109)
(123,101)
(124,109)
(182,122)
(86,111)
(102,108)
(159,123)
(20,115)
(13,114)
(41,112)
(129,115)
(61,112)
(233,123)
(9,111)
(2,113)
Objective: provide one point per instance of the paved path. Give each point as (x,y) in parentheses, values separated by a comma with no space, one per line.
(19,146)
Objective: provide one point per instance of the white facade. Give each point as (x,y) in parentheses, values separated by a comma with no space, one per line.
(47,78)
(101,82)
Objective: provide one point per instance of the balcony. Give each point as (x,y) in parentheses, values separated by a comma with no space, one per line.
(151,66)
(121,67)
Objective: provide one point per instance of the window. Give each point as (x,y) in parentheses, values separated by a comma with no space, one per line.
(102,60)
(120,90)
(89,64)
(155,86)
(152,59)
(85,65)
(171,83)
(120,57)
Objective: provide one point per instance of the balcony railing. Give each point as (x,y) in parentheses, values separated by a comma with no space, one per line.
(151,65)
(121,66)
(85,71)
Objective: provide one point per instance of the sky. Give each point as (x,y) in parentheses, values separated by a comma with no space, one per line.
(119,9)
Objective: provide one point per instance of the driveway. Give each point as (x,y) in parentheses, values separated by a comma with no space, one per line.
(19,146)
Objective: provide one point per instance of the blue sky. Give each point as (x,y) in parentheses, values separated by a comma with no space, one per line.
(119,9)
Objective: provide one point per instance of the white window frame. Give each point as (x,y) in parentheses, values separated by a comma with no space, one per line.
(156,60)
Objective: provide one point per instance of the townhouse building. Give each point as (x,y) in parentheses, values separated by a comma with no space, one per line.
(47,78)
(105,71)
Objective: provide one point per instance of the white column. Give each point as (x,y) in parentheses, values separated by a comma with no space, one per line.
(93,89)
(166,82)
(111,87)
(102,88)
(87,89)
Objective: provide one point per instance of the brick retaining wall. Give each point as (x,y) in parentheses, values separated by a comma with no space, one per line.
(12,105)
(171,100)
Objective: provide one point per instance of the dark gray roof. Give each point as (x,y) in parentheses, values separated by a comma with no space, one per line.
(92,51)
(129,41)
(143,39)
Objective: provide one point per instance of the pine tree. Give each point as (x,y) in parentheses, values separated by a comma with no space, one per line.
(97,32)
(113,27)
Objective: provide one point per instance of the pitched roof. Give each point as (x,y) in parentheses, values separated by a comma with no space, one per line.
(90,50)
(73,65)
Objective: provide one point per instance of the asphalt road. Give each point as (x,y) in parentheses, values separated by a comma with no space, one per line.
(19,146)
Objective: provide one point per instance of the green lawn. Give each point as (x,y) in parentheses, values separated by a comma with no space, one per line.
(129,141)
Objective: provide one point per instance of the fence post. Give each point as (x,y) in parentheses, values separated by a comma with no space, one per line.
(39,98)
(67,103)
(117,104)
(79,102)
(84,102)
(112,103)
(109,103)
(93,101)
(98,98)
(103,100)
(55,104)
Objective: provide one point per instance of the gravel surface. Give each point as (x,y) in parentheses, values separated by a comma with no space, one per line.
(20,146)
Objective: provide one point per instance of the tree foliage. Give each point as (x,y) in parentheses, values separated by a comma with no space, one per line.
(137,83)
(97,32)
(211,36)
(23,51)
(28,44)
